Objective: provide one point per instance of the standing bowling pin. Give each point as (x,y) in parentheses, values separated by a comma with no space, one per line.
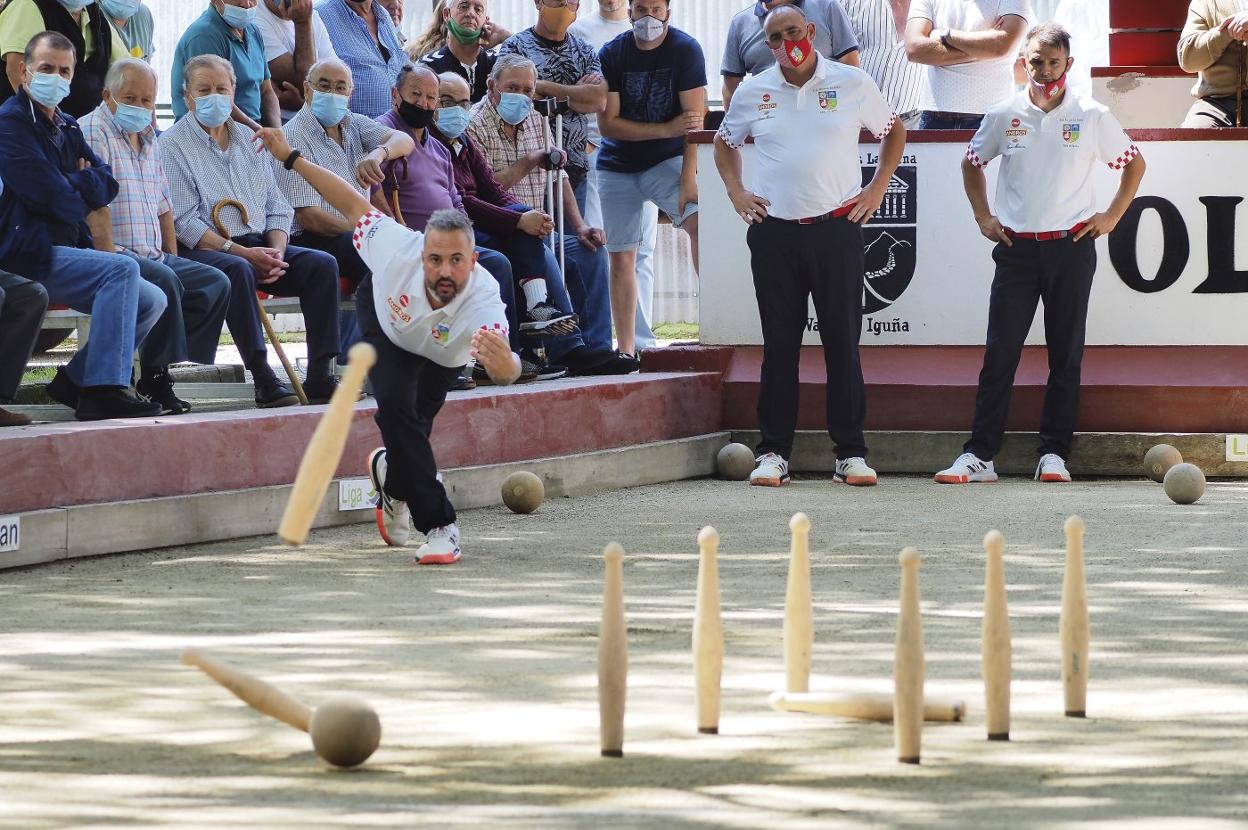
(995,649)
(908,664)
(708,634)
(1074,624)
(612,655)
(799,631)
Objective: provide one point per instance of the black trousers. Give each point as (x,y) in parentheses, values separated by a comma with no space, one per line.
(22,304)
(410,390)
(1059,272)
(791,262)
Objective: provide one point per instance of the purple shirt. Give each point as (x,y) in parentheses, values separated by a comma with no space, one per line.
(426,178)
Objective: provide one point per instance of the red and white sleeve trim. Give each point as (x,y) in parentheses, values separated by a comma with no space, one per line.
(725,135)
(1124,159)
(888,128)
(357,238)
(973,157)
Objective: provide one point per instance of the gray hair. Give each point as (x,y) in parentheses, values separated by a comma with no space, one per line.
(1050,35)
(324,62)
(447,220)
(511,61)
(116,77)
(206,62)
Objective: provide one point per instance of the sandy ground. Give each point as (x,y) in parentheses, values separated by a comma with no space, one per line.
(484,673)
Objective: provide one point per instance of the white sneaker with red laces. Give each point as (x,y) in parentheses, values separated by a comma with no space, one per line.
(967,469)
(394,521)
(770,470)
(1052,468)
(441,546)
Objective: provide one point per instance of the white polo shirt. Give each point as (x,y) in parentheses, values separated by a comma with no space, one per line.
(788,122)
(1045,182)
(443,335)
(975,86)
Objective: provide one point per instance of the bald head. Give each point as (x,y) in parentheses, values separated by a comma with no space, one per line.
(453,90)
(787,23)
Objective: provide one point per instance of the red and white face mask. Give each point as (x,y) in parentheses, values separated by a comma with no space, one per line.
(793,53)
(1050,89)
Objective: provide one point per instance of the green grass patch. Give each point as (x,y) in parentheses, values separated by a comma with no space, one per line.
(676,331)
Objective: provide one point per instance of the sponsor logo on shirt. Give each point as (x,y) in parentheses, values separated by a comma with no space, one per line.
(441,334)
(767,105)
(827,99)
(1016,122)
(396,310)
(403,300)
(1070,133)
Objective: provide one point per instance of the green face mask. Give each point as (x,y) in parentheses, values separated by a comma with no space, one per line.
(464,36)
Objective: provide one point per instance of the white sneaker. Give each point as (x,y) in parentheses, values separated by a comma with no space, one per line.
(770,471)
(854,471)
(1052,468)
(393,519)
(967,469)
(441,546)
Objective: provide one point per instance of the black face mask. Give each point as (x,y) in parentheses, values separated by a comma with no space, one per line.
(416,117)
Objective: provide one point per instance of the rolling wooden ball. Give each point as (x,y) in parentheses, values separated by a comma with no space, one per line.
(345,731)
(523,492)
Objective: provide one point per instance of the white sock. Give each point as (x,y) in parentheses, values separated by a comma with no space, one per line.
(534,291)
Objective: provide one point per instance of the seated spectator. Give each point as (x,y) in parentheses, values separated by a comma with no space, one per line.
(656,79)
(95,44)
(120,132)
(228,29)
(745,46)
(353,147)
(504,223)
(294,39)
(132,21)
(364,36)
(1214,44)
(53,210)
(22,304)
(466,52)
(209,160)
(969,49)
(880,28)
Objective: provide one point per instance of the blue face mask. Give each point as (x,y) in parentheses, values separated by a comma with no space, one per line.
(238,17)
(120,9)
(452,121)
(132,119)
(329,108)
(49,90)
(75,5)
(213,110)
(514,107)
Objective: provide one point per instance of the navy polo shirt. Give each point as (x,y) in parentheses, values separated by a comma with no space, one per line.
(211,35)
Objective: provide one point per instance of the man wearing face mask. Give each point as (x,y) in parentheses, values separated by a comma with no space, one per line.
(567,68)
(84,24)
(209,158)
(351,146)
(294,39)
(1045,230)
(228,29)
(53,218)
(465,52)
(133,23)
(120,132)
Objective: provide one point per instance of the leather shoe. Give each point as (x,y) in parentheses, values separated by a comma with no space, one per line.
(13,419)
(97,403)
(320,390)
(157,386)
(63,390)
(270,393)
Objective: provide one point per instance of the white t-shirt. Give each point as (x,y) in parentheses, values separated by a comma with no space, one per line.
(596,31)
(806,138)
(969,87)
(1045,182)
(279,39)
(443,335)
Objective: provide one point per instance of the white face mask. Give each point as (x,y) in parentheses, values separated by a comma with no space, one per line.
(648,28)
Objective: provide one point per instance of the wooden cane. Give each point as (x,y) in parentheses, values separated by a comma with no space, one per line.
(264,314)
(394,193)
(1240,84)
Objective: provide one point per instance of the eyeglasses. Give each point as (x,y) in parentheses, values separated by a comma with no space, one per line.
(559,4)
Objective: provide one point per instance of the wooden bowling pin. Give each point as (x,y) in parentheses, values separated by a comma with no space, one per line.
(612,655)
(873,706)
(908,667)
(995,648)
(708,634)
(1074,623)
(799,632)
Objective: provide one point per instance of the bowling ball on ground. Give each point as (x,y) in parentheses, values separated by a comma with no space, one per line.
(1184,483)
(735,462)
(523,492)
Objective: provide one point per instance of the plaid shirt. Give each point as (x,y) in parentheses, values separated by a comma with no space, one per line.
(360,136)
(144,194)
(487,131)
(374,73)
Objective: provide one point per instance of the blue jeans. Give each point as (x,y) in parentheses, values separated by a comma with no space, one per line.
(589,285)
(196,297)
(933,120)
(643,328)
(122,306)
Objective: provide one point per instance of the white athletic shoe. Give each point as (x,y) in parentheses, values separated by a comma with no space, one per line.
(1052,468)
(967,469)
(770,471)
(854,471)
(393,519)
(441,546)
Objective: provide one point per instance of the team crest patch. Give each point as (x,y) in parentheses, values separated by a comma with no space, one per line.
(1070,133)
(827,99)
(441,334)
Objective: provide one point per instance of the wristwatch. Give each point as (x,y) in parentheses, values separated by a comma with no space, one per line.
(225,249)
(944,39)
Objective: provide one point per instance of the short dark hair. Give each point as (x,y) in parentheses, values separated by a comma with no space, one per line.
(55,40)
(1050,34)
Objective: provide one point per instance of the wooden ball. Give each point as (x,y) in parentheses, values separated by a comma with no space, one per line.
(1159,459)
(1184,483)
(345,731)
(735,462)
(523,492)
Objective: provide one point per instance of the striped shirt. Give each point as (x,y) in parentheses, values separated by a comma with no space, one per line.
(487,130)
(883,54)
(360,136)
(374,68)
(143,196)
(201,174)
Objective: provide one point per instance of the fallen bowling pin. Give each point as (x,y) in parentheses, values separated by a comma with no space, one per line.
(873,706)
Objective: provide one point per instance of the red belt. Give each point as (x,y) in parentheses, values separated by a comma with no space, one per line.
(1047,236)
(839,213)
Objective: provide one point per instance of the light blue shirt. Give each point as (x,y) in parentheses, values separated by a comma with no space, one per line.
(373,72)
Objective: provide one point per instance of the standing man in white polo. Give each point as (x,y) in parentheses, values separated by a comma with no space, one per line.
(1045,228)
(805,211)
